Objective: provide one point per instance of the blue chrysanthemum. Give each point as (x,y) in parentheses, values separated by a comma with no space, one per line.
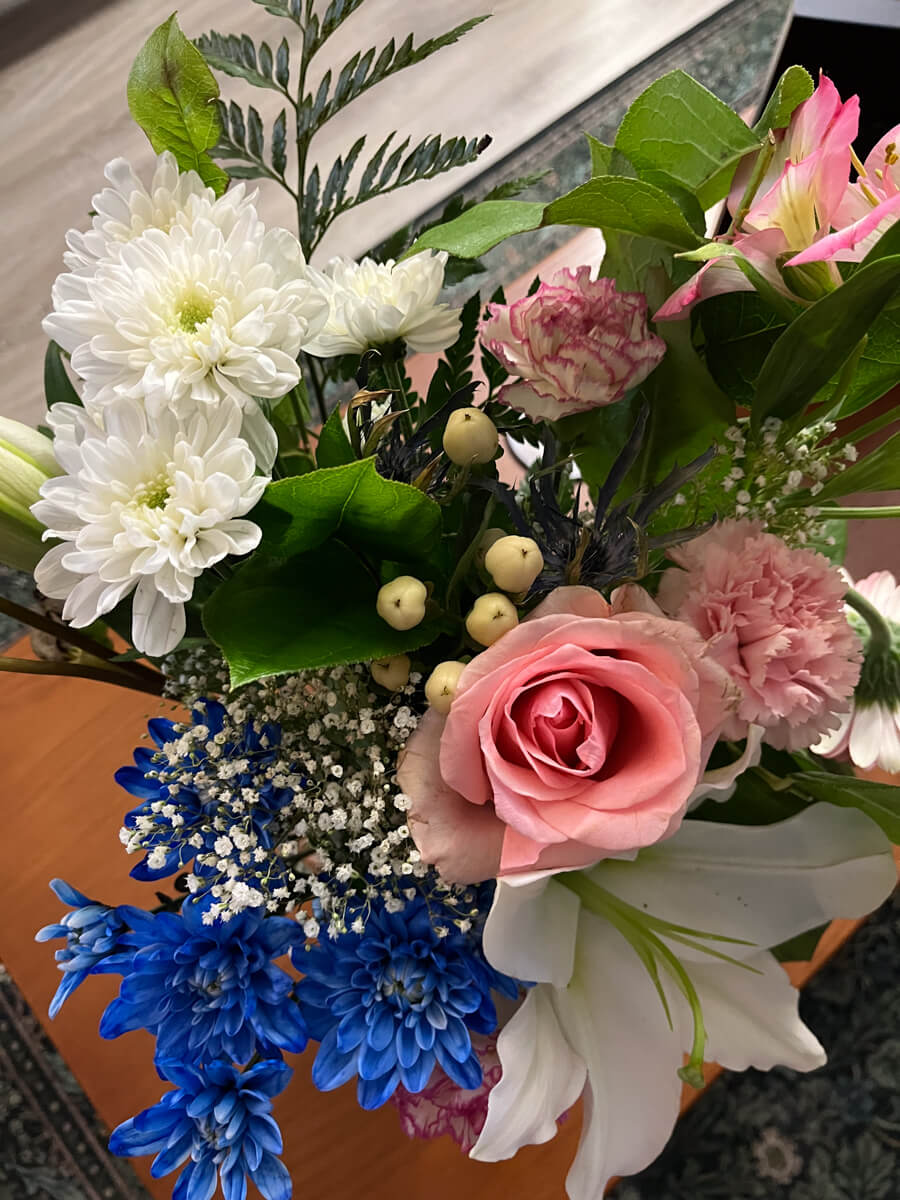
(219,1118)
(191,797)
(209,990)
(94,945)
(389,1003)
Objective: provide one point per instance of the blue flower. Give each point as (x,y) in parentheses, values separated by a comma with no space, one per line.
(220,1119)
(391,1002)
(93,934)
(209,991)
(192,796)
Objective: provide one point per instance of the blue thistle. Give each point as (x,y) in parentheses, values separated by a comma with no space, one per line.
(220,1119)
(209,990)
(94,941)
(389,1003)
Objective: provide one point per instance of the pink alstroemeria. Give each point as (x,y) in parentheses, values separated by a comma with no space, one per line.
(795,206)
(869,206)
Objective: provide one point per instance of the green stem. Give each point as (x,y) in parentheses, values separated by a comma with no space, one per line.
(880,641)
(873,426)
(763,159)
(299,417)
(465,561)
(394,377)
(318,390)
(23,666)
(878,512)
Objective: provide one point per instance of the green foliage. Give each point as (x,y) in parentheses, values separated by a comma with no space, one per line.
(601,155)
(627,206)
(739,330)
(58,387)
(814,347)
(239,57)
(794,86)
(879,801)
(878,471)
(878,370)
(243,138)
(800,948)
(172,96)
(454,370)
(481,227)
(334,449)
(677,133)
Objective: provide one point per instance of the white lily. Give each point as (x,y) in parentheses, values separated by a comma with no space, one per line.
(594,942)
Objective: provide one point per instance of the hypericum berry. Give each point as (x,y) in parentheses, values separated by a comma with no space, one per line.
(470,437)
(441,685)
(392,673)
(492,615)
(402,602)
(514,563)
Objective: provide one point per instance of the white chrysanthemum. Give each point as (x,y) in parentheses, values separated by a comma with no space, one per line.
(869,734)
(374,304)
(186,317)
(148,503)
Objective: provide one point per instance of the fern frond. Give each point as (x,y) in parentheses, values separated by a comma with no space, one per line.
(243,139)
(240,58)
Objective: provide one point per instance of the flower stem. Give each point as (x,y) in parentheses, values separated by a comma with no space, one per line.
(763,159)
(394,377)
(24,666)
(465,559)
(880,641)
(841,513)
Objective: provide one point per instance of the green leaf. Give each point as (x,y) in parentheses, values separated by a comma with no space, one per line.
(677,132)
(888,244)
(879,801)
(794,86)
(815,346)
(334,449)
(800,948)
(480,228)
(753,802)
(315,610)
(601,155)
(739,331)
(352,502)
(172,95)
(58,387)
(626,205)
(238,57)
(879,471)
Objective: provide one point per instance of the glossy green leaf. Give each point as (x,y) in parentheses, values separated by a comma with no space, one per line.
(678,133)
(794,86)
(739,331)
(58,387)
(815,346)
(601,155)
(627,206)
(172,96)
(879,801)
(879,471)
(334,449)
(480,228)
(314,610)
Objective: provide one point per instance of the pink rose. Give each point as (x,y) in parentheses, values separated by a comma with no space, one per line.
(579,734)
(576,344)
(774,618)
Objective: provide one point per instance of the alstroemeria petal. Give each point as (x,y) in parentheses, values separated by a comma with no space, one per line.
(611,1014)
(765,883)
(531,931)
(752,1019)
(542,1077)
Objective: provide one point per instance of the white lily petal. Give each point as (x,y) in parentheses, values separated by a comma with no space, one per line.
(764,884)
(531,931)
(542,1078)
(752,1019)
(612,1015)
(719,783)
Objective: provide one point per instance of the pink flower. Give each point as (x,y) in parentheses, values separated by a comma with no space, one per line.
(576,344)
(579,734)
(795,207)
(443,1107)
(774,618)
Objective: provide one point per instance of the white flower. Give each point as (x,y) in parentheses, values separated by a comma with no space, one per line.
(374,304)
(869,734)
(26,462)
(147,504)
(187,317)
(595,1018)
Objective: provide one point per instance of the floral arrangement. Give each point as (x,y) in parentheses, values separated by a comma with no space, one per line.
(531,774)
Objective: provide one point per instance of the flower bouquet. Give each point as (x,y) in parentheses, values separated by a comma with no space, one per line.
(531,767)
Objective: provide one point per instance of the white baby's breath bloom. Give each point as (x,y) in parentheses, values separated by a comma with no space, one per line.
(146,505)
(375,304)
(183,318)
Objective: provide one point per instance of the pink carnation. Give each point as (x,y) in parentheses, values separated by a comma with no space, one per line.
(576,344)
(443,1107)
(774,618)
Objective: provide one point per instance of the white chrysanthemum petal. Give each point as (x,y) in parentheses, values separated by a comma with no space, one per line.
(149,503)
(375,304)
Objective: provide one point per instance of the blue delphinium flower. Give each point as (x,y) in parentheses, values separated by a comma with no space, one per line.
(219,1118)
(390,1002)
(209,989)
(202,782)
(94,946)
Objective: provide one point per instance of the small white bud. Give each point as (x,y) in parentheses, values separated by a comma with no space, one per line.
(441,685)
(402,602)
(514,563)
(492,615)
(470,437)
(391,673)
